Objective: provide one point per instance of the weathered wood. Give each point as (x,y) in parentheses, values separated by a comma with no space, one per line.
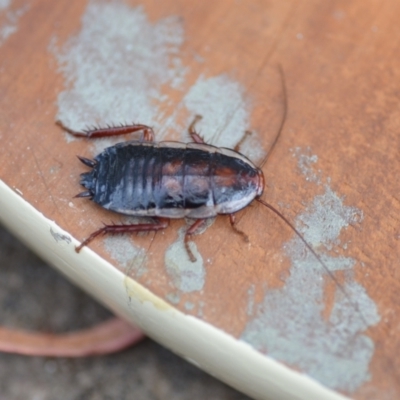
(336,161)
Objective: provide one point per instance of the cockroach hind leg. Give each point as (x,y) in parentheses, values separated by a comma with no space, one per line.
(100,231)
(159,224)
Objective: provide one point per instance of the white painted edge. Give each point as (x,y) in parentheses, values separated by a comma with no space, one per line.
(211,349)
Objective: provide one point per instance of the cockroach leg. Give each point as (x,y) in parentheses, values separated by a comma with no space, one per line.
(159,224)
(191,231)
(147,136)
(192,131)
(241,141)
(232,219)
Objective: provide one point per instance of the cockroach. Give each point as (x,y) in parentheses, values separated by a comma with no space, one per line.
(164,180)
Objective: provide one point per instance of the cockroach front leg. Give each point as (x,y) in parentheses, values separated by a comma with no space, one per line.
(195,136)
(198,139)
(159,224)
(148,133)
(241,141)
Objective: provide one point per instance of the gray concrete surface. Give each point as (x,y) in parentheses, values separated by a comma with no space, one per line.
(34,296)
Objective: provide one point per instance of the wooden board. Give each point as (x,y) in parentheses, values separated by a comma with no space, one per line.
(332,174)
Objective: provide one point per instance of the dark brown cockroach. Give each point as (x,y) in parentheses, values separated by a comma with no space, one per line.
(167,180)
(164,180)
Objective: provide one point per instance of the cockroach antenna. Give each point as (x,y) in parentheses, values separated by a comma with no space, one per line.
(281,216)
(283,120)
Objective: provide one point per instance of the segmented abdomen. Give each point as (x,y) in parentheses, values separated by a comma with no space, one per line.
(171,180)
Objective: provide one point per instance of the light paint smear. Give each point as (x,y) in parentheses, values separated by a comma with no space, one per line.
(132,258)
(289,325)
(4,4)
(9,19)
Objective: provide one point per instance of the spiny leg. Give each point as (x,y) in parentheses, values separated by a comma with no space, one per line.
(148,133)
(232,220)
(198,139)
(191,231)
(159,224)
(195,136)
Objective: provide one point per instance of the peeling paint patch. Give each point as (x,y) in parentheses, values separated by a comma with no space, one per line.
(132,258)
(322,222)
(116,65)
(186,276)
(290,326)
(305,161)
(9,19)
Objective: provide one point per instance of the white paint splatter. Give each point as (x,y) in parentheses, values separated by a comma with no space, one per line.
(129,256)
(9,19)
(322,222)
(116,65)
(186,276)
(305,161)
(289,324)
(4,4)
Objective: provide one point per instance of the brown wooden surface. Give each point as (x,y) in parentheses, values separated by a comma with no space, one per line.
(341,63)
